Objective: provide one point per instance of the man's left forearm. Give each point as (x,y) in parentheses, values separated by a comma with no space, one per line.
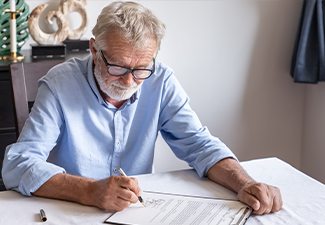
(261,197)
(229,173)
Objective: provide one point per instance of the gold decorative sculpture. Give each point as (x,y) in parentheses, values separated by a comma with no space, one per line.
(43,38)
(68,6)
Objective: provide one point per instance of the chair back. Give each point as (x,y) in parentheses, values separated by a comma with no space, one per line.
(25,78)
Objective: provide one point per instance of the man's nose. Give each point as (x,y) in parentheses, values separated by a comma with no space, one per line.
(128,79)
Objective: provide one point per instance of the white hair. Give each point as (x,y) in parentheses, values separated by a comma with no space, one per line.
(131,21)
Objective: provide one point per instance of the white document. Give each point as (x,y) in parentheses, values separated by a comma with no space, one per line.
(182,210)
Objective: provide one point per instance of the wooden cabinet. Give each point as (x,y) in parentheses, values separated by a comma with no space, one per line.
(8,124)
(7,119)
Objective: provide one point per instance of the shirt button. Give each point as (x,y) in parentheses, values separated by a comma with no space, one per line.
(115,170)
(118,143)
(118,112)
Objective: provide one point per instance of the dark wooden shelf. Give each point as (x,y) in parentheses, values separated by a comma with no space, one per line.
(28,58)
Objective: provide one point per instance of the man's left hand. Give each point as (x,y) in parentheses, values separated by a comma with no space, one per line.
(261,197)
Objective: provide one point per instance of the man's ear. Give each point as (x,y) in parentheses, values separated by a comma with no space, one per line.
(93,49)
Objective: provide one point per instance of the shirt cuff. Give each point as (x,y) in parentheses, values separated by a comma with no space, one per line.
(203,167)
(36,176)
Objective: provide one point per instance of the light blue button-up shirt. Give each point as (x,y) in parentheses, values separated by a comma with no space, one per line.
(72,129)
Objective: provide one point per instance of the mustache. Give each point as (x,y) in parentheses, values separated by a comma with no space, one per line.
(118,84)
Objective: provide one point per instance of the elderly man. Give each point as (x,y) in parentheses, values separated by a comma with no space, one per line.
(104,112)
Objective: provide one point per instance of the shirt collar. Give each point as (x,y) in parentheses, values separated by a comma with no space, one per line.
(135,96)
(92,83)
(91,80)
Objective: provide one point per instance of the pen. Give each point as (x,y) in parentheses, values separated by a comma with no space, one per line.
(42,215)
(124,175)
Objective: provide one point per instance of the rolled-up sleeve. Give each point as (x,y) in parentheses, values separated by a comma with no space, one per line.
(25,167)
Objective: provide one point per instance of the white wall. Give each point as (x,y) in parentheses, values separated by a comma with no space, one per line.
(233,59)
(313,148)
(244,94)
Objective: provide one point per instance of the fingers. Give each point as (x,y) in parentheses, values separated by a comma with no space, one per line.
(126,195)
(262,198)
(131,183)
(116,193)
(120,204)
(277,201)
(249,199)
(260,191)
(128,189)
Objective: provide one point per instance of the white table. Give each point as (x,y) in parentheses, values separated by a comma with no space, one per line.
(304,197)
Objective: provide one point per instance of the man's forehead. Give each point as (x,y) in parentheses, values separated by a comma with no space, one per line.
(119,41)
(120,52)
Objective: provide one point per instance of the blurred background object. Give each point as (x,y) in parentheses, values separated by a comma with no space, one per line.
(22,25)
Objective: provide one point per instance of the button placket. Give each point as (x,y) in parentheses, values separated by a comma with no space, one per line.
(118,137)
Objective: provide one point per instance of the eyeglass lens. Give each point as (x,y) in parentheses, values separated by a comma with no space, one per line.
(116,70)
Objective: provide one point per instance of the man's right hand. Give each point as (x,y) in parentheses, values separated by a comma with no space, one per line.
(112,193)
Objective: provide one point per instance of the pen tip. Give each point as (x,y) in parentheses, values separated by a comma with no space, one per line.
(141,200)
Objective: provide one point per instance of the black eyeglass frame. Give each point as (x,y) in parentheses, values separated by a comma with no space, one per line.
(127,69)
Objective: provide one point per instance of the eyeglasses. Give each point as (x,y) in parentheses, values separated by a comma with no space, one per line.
(119,71)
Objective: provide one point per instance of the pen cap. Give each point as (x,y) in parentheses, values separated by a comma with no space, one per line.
(43,216)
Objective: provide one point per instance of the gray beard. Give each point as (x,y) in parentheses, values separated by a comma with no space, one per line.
(115,90)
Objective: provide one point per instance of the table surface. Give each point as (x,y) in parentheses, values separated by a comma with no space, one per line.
(304,197)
